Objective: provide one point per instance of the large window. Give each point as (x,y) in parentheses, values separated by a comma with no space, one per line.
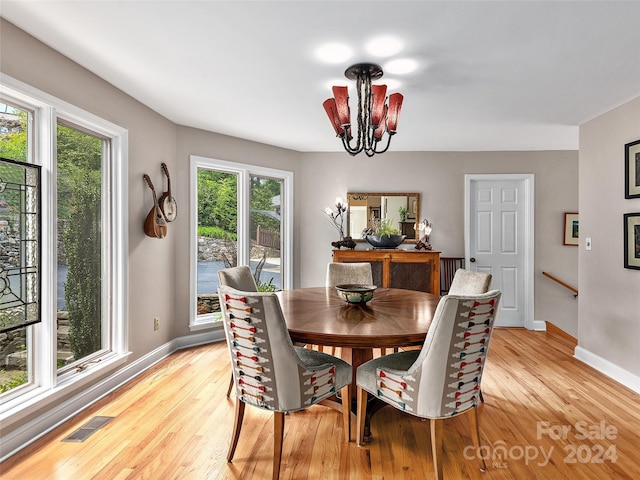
(82,284)
(241,215)
(82,329)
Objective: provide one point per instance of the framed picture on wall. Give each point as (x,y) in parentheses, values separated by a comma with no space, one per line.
(571,229)
(632,170)
(632,240)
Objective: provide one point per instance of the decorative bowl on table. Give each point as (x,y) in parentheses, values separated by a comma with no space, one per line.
(385,241)
(355,293)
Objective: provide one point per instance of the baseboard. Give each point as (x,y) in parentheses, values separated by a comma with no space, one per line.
(35,428)
(554,330)
(609,369)
(539,326)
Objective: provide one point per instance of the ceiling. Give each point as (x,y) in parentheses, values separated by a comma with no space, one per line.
(491,75)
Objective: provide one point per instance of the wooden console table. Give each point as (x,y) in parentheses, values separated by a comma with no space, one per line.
(409,269)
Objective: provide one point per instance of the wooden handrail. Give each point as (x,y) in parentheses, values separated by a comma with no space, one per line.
(565,285)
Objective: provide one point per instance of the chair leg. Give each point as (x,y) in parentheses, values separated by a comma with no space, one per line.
(278,435)
(361,414)
(475,434)
(237,426)
(230,386)
(436,446)
(346,413)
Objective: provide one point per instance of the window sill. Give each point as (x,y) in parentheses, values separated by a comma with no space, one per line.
(40,398)
(206,322)
(194,327)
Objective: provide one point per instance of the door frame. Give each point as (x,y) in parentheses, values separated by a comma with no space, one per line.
(528,182)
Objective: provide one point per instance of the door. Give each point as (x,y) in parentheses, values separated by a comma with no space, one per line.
(499,241)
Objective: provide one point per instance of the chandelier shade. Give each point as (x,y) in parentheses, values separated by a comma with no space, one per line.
(375,115)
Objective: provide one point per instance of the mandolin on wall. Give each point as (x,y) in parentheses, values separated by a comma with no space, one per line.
(155,225)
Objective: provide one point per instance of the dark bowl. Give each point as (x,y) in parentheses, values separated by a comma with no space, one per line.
(355,293)
(385,241)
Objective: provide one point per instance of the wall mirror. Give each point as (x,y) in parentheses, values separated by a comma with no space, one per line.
(402,209)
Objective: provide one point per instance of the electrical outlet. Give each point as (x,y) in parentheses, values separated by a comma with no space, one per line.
(156,323)
(587,243)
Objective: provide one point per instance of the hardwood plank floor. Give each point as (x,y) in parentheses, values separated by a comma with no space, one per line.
(174,422)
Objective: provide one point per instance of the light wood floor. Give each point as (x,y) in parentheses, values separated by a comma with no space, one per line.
(174,422)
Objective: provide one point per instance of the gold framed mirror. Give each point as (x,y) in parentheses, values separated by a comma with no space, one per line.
(402,209)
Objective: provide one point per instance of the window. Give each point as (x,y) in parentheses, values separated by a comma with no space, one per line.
(83,314)
(241,215)
(82,330)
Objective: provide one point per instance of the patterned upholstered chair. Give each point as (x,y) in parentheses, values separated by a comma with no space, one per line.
(442,379)
(240,278)
(341,273)
(466,282)
(269,371)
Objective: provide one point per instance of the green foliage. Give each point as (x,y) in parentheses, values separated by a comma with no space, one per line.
(387,229)
(218,204)
(404,213)
(266,286)
(217,200)
(216,232)
(79,203)
(13,144)
(263,190)
(10,379)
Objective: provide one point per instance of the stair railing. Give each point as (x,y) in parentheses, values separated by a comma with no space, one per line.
(564,284)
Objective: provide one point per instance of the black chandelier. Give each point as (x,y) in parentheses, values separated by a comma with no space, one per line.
(375,116)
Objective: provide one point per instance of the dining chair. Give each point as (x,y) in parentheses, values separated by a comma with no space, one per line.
(441,380)
(271,373)
(348,272)
(467,282)
(354,272)
(240,278)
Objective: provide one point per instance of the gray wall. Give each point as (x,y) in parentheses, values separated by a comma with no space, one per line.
(609,305)
(439,177)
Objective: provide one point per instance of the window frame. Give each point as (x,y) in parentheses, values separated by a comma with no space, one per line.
(244,172)
(48,385)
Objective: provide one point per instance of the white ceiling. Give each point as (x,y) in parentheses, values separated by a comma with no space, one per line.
(492,75)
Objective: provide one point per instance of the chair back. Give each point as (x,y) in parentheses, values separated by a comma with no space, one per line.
(239,277)
(445,378)
(466,282)
(267,371)
(345,273)
(448,268)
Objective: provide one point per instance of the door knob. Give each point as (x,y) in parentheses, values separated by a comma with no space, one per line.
(472,260)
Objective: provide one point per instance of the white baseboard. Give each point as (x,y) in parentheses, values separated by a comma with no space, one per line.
(35,428)
(539,326)
(611,370)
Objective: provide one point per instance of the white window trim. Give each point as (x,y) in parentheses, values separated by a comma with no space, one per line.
(50,387)
(244,171)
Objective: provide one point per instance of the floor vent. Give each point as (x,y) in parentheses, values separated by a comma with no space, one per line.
(87,429)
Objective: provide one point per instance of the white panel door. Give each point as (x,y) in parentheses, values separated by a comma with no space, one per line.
(496,224)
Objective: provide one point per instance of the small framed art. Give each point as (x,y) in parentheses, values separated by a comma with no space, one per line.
(632,240)
(571,229)
(632,170)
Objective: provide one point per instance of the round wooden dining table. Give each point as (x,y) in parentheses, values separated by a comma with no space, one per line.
(393,318)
